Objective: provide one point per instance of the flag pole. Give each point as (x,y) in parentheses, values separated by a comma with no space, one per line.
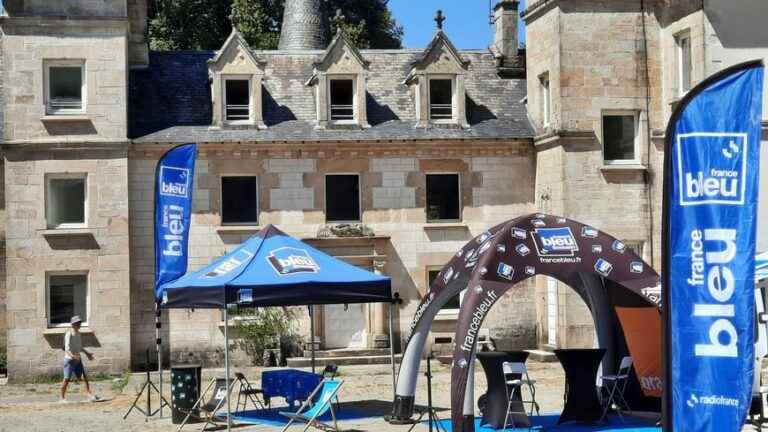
(158,344)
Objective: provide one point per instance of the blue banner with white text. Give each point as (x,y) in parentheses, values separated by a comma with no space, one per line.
(174,177)
(711,212)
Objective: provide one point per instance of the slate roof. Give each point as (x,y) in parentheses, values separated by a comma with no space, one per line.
(170,101)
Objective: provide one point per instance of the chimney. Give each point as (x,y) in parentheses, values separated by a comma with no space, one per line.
(505,18)
(303,25)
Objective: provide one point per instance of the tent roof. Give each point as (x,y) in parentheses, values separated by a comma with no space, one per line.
(274,269)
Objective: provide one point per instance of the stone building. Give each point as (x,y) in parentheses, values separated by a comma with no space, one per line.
(418,150)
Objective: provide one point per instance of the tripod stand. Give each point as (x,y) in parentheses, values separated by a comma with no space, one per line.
(434,420)
(148,387)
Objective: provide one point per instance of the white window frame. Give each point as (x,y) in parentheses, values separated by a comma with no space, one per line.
(640,244)
(59,176)
(426,197)
(48,314)
(638,136)
(251,114)
(359,197)
(355,115)
(52,63)
(546,99)
(221,200)
(683,35)
(444,313)
(454,104)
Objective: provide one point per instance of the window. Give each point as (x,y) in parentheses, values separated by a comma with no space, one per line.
(443,202)
(546,101)
(441,99)
(454,303)
(620,137)
(239,200)
(67,296)
(635,246)
(342,198)
(342,99)
(237,99)
(65,87)
(683,44)
(65,201)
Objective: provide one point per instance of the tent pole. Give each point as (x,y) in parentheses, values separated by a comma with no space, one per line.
(312,334)
(158,343)
(392,346)
(226,364)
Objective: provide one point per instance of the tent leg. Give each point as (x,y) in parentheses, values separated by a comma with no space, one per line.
(312,334)
(226,364)
(392,347)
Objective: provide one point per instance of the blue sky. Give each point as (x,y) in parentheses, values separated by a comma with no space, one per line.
(466,21)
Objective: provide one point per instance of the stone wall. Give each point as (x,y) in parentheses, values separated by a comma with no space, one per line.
(72,8)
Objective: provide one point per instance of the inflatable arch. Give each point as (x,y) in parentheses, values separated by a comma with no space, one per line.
(611,279)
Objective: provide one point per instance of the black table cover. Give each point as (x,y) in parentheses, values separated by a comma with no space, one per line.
(496,396)
(581,400)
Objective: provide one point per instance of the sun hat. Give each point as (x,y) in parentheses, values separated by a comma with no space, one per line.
(75,319)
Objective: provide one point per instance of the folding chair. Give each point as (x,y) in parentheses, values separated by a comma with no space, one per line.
(528,383)
(616,384)
(328,389)
(218,398)
(247,392)
(513,386)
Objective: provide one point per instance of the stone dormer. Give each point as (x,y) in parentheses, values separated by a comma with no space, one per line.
(437,79)
(339,82)
(236,84)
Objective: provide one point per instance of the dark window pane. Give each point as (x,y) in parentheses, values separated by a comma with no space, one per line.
(342,106)
(66,86)
(66,201)
(454,302)
(440,99)
(443,197)
(68,294)
(342,198)
(239,200)
(685,63)
(619,137)
(238,99)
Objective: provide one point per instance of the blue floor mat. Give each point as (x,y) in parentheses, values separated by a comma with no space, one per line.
(549,423)
(272,416)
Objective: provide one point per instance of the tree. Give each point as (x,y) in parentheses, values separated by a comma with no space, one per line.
(205,24)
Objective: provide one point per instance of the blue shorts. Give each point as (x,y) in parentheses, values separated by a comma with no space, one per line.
(73,369)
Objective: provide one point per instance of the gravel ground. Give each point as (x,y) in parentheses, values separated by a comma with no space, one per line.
(35,407)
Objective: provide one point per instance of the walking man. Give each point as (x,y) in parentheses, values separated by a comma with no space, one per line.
(73,363)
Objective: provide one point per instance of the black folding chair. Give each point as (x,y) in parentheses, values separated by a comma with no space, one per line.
(207,411)
(247,392)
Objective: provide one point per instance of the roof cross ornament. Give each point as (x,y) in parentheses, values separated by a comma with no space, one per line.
(338,21)
(233,18)
(439,18)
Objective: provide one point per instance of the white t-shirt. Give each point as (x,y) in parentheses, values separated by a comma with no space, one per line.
(72,344)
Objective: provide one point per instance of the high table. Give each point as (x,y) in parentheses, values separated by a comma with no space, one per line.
(581,401)
(292,384)
(496,396)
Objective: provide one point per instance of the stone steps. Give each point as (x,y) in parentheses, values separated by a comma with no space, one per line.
(296,362)
(349,352)
(541,355)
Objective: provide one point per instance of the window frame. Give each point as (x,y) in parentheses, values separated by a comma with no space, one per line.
(444,313)
(54,63)
(221,200)
(359,197)
(679,52)
(46,200)
(546,99)
(454,105)
(636,114)
(251,114)
(48,314)
(355,112)
(426,197)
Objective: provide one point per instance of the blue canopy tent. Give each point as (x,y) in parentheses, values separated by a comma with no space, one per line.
(274,269)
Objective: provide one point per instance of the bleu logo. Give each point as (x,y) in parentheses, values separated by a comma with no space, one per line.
(554,242)
(288,260)
(712,168)
(236,260)
(603,267)
(245,295)
(174,181)
(505,270)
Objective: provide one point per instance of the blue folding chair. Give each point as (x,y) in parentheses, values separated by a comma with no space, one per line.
(328,389)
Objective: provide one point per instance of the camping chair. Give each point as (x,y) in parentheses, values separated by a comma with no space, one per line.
(247,392)
(328,388)
(527,382)
(513,385)
(616,384)
(218,398)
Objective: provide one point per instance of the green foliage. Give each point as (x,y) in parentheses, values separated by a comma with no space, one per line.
(3,360)
(205,24)
(265,328)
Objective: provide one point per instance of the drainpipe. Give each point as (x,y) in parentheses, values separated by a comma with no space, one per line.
(646,173)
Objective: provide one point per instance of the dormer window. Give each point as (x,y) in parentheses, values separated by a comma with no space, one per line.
(342,99)
(441,99)
(237,95)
